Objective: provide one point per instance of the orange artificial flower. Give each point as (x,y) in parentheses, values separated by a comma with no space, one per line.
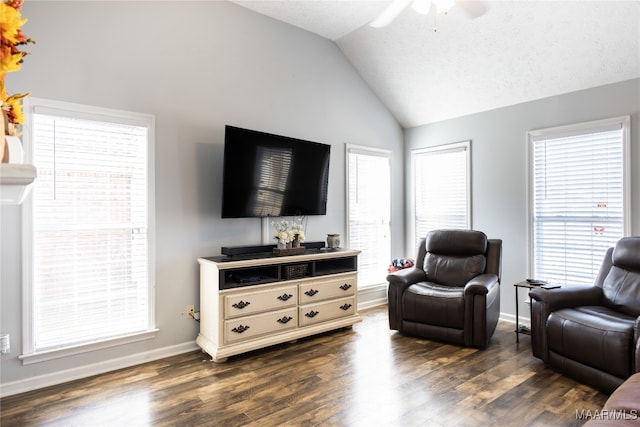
(11,58)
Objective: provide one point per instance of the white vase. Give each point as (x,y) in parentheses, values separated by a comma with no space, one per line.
(281,245)
(14,147)
(333,240)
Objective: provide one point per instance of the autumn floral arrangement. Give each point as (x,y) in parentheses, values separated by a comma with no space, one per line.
(288,233)
(11,58)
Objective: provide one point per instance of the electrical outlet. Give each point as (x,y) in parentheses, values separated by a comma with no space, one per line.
(190,310)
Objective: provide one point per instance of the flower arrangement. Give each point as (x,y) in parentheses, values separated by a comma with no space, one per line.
(288,232)
(11,58)
(298,233)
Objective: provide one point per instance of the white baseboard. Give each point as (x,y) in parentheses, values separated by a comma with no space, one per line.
(372,303)
(372,296)
(511,318)
(33,383)
(507,317)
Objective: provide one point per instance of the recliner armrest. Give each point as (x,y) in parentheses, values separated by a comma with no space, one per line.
(545,301)
(569,296)
(399,281)
(481,285)
(406,277)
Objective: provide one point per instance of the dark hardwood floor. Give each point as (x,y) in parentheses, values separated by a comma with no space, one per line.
(364,376)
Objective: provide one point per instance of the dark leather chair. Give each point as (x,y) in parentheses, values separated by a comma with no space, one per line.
(591,332)
(622,408)
(452,293)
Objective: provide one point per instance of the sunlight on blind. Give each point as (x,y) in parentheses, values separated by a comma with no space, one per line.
(577,203)
(90,231)
(441,189)
(274,167)
(369,188)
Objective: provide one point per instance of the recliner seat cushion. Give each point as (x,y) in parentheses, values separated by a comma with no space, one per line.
(595,336)
(432,304)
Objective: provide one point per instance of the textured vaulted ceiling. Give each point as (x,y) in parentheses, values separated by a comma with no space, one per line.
(517,51)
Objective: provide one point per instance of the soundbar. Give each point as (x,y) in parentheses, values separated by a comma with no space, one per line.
(313,245)
(256,249)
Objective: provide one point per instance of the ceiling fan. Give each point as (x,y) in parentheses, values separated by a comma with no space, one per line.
(472,8)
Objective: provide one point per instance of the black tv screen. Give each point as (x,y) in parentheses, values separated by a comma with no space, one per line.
(272,175)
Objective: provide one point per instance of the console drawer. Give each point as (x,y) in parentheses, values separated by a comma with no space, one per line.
(315,313)
(260,324)
(242,304)
(326,289)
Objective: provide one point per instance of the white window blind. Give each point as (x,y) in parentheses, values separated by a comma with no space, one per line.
(369,211)
(577,202)
(90,277)
(272,175)
(441,188)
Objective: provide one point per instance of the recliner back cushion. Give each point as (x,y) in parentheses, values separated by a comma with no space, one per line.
(621,291)
(452,270)
(626,254)
(456,242)
(454,256)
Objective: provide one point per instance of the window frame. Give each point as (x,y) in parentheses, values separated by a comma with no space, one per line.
(31,106)
(368,151)
(593,126)
(438,149)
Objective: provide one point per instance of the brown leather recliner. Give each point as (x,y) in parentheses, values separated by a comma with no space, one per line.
(622,408)
(452,293)
(591,332)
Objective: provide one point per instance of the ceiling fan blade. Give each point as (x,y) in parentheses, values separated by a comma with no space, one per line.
(473,8)
(390,13)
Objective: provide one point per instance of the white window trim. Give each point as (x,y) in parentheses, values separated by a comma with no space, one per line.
(411,228)
(59,353)
(370,151)
(592,126)
(30,106)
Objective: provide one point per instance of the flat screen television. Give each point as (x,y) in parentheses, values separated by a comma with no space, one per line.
(272,175)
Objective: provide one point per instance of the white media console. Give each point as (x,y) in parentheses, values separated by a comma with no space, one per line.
(251,301)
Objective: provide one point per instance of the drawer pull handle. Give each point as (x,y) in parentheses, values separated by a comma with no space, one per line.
(285,297)
(240,305)
(285,319)
(345,286)
(240,329)
(312,314)
(345,307)
(311,292)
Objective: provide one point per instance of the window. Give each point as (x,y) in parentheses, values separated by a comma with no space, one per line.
(88,227)
(369,211)
(441,188)
(578,197)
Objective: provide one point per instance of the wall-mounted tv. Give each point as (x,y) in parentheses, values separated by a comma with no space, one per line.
(272,175)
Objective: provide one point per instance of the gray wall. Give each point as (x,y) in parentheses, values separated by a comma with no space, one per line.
(499,165)
(200,65)
(197,66)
